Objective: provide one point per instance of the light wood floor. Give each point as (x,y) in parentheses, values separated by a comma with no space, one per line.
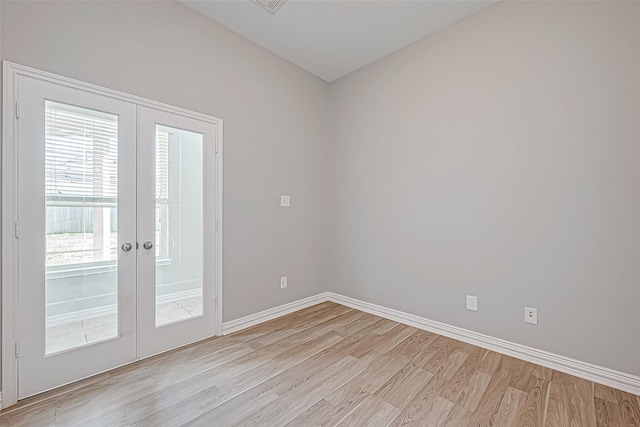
(330,365)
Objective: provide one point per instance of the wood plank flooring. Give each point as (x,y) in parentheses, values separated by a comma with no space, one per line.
(329,365)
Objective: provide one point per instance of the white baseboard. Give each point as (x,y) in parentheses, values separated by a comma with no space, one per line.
(0,401)
(609,377)
(272,313)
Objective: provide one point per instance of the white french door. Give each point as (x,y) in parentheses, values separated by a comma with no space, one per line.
(176,213)
(116,244)
(77,207)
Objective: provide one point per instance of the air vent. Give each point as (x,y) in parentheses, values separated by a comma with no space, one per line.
(271,6)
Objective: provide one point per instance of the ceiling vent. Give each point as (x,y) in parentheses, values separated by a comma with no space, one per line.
(271,6)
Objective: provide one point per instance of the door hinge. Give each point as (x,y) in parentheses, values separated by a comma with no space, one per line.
(216,147)
(216,225)
(17,349)
(17,110)
(17,229)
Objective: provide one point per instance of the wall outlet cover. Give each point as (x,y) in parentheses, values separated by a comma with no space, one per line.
(472,303)
(285,200)
(531,315)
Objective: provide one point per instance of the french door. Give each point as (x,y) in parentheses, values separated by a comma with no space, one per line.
(176,210)
(116,217)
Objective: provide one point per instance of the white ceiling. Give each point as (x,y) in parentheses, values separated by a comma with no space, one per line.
(331,38)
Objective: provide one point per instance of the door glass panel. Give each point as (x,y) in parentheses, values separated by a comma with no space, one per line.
(81,186)
(179,224)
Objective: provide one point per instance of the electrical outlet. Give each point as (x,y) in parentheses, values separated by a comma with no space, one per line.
(472,303)
(531,315)
(285,201)
(283,282)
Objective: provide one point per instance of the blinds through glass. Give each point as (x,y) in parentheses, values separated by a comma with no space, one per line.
(81,155)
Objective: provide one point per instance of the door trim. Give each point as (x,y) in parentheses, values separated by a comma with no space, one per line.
(9,215)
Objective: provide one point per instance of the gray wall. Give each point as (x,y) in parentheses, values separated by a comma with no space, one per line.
(499,158)
(274,123)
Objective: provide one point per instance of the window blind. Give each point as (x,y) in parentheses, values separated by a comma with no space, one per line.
(81,154)
(162,166)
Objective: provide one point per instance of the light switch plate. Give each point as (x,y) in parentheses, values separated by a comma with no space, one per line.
(285,201)
(283,282)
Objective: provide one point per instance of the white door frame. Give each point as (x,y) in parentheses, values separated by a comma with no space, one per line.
(9,215)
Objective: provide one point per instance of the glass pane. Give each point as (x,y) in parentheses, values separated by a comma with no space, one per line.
(81,183)
(179,224)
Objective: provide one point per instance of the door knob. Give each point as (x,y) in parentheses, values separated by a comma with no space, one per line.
(127,247)
(147,245)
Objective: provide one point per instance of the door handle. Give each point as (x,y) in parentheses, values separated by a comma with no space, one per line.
(147,245)
(127,247)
